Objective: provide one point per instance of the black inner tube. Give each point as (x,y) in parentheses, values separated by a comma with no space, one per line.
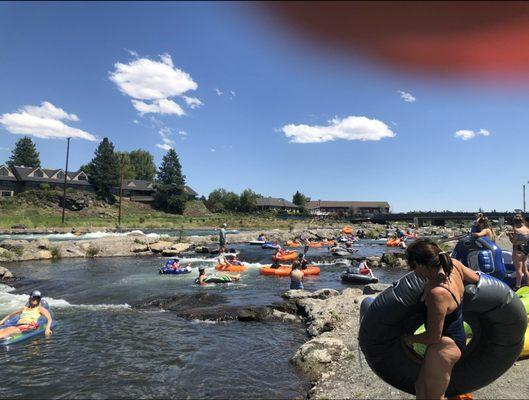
(495,314)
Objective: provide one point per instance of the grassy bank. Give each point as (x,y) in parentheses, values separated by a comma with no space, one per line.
(14,212)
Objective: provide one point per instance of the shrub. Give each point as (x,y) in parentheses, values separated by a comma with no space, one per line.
(92,251)
(44,186)
(214,238)
(56,252)
(142,220)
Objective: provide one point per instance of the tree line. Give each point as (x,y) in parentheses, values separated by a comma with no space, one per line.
(104,169)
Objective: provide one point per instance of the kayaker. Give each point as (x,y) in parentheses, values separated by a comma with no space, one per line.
(222,239)
(484,229)
(519,237)
(29,317)
(261,237)
(296,276)
(441,305)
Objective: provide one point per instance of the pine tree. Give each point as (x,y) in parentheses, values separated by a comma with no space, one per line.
(103,170)
(299,199)
(24,154)
(170,195)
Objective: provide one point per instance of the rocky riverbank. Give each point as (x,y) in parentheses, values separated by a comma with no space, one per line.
(332,360)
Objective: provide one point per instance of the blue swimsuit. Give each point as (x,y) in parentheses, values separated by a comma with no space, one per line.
(453,324)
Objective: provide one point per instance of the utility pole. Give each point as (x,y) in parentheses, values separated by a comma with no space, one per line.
(524,198)
(65,177)
(121,165)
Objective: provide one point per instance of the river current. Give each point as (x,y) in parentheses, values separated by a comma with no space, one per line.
(105,348)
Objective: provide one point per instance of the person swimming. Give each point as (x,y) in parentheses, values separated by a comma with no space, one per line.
(29,317)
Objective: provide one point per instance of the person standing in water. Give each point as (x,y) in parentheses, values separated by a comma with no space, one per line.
(519,237)
(441,305)
(222,239)
(296,276)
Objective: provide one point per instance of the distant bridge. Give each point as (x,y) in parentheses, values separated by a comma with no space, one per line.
(438,218)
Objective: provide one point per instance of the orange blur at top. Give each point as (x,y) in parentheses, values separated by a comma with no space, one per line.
(474,37)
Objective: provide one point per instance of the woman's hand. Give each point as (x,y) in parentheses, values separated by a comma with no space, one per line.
(47,332)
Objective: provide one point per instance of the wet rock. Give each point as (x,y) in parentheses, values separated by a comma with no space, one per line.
(314,356)
(170,253)
(373,288)
(181,302)
(6,254)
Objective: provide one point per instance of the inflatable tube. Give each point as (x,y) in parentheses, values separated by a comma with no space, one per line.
(523,294)
(393,243)
(230,268)
(169,271)
(315,244)
(217,279)
(496,316)
(270,245)
(358,279)
(292,244)
(19,337)
(289,256)
(285,270)
(482,254)
(328,243)
(257,242)
(347,230)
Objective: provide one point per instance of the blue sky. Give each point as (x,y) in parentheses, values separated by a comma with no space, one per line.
(65,54)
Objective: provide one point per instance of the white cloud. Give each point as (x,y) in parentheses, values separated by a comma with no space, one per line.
(182,133)
(407,97)
(349,128)
(219,93)
(135,121)
(232,93)
(163,106)
(44,121)
(164,146)
(192,102)
(168,143)
(467,134)
(132,53)
(151,84)
(212,150)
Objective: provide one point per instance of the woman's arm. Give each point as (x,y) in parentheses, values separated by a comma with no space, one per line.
(484,232)
(436,305)
(46,314)
(11,315)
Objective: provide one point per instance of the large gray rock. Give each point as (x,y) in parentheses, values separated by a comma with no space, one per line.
(315,356)
(5,274)
(160,246)
(139,248)
(14,245)
(324,294)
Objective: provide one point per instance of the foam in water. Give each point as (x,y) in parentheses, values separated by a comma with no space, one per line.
(10,302)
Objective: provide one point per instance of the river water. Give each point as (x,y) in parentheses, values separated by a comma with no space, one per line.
(104,348)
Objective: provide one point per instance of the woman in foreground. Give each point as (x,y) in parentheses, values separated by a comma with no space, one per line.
(443,311)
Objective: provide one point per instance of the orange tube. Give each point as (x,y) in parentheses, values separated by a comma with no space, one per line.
(284,270)
(231,268)
(289,256)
